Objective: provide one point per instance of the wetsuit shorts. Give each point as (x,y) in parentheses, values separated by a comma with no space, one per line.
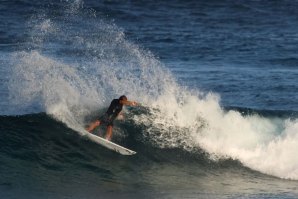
(106,120)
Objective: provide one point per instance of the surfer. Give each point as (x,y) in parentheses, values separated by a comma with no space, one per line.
(112,113)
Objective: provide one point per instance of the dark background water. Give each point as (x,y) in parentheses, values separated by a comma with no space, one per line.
(246,51)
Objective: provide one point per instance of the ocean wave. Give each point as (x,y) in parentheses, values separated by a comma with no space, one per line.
(71,88)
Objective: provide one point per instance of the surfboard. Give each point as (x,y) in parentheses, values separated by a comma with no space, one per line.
(110,145)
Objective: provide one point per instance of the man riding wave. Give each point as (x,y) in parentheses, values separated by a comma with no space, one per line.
(112,113)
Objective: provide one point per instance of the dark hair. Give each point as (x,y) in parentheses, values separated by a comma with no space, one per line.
(123,97)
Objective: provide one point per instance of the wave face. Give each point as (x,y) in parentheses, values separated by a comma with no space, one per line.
(50,160)
(69,67)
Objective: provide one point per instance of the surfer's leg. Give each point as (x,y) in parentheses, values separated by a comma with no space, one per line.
(93,125)
(109,132)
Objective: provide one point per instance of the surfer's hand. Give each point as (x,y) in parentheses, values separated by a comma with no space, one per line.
(120,116)
(133,103)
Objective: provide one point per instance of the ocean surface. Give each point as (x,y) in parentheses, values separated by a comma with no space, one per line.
(217,83)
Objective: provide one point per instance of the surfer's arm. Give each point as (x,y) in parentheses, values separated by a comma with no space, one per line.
(129,103)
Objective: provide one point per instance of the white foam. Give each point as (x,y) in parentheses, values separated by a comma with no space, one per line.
(263,144)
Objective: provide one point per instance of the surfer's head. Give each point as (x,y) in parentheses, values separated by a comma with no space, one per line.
(123,97)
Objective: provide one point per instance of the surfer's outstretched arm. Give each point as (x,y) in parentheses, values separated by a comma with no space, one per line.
(128,103)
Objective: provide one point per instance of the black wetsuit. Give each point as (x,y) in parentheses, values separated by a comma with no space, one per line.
(114,109)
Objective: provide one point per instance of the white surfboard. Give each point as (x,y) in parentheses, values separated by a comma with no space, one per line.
(110,145)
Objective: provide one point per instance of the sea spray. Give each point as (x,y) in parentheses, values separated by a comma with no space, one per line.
(98,65)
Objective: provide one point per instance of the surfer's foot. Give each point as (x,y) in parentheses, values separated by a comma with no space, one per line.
(108,138)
